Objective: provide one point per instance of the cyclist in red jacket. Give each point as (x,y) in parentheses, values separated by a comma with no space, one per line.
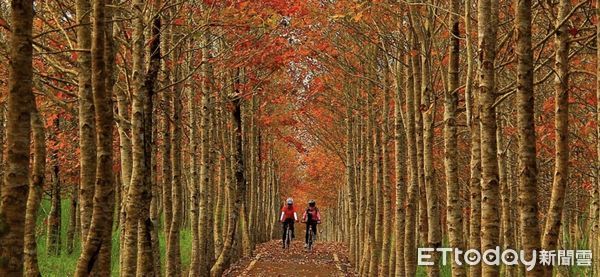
(288,217)
(311,217)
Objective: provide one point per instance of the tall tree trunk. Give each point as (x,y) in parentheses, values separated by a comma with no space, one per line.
(453,200)
(137,187)
(375,251)
(400,170)
(530,232)
(195,193)
(475,182)
(235,193)
(203,234)
(110,80)
(72,228)
(20,104)
(2,140)
(413,185)
(370,182)
(490,190)
(350,174)
(561,131)
(147,264)
(87,127)
(224,180)
(126,155)
(474,203)
(53,242)
(428,102)
(386,187)
(596,190)
(210,192)
(507,219)
(156,194)
(167,176)
(99,235)
(362,191)
(417,78)
(36,185)
(173,255)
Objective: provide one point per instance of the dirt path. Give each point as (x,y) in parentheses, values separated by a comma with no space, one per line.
(326,259)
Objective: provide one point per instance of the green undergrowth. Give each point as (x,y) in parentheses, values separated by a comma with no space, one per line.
(64,264)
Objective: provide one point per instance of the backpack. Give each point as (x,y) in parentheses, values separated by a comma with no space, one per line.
(309,214)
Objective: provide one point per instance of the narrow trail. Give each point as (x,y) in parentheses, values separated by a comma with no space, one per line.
(326,259)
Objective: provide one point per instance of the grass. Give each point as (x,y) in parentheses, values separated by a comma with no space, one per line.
(64,264)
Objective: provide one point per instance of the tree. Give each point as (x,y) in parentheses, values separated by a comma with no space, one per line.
(53,239)
(34,197)
(87,127)
(530,234)
(235,193)
(15,186)
(411,201)
(99,236)
(490,189)
(454,208)
(561,121)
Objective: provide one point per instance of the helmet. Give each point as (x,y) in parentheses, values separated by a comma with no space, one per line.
(312,203)
(290,201)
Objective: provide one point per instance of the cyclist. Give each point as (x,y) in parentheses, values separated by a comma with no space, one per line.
(288,217)
(311,217)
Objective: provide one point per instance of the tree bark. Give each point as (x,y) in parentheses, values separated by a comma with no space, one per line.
(137,186)
(20,104)
(400,170)
(530,233)
(203,234)
(54,223)
(561,132)
(87,126)
(350,174)
(167,176)
(453,200)
(490,190)
(386,187)
(596,190)
(91,262)
(73,223)
(173,255)
(147,263)
(413,185)
(36,185)
(235,193)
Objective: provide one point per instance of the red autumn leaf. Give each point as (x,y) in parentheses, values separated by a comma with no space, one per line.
(3,23)
(573,31)
(178,21)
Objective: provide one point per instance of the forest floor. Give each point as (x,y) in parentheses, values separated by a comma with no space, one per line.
(270,259)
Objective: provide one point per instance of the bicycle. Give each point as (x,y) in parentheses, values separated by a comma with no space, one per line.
(311,235)
(288,237)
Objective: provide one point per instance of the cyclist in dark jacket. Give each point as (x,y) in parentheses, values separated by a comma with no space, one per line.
(311,217)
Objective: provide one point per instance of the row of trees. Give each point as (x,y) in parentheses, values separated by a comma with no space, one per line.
(151,117)
(468,124)
(423,123)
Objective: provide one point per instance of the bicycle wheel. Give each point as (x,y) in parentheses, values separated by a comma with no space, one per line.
(310,239)
(288,237)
